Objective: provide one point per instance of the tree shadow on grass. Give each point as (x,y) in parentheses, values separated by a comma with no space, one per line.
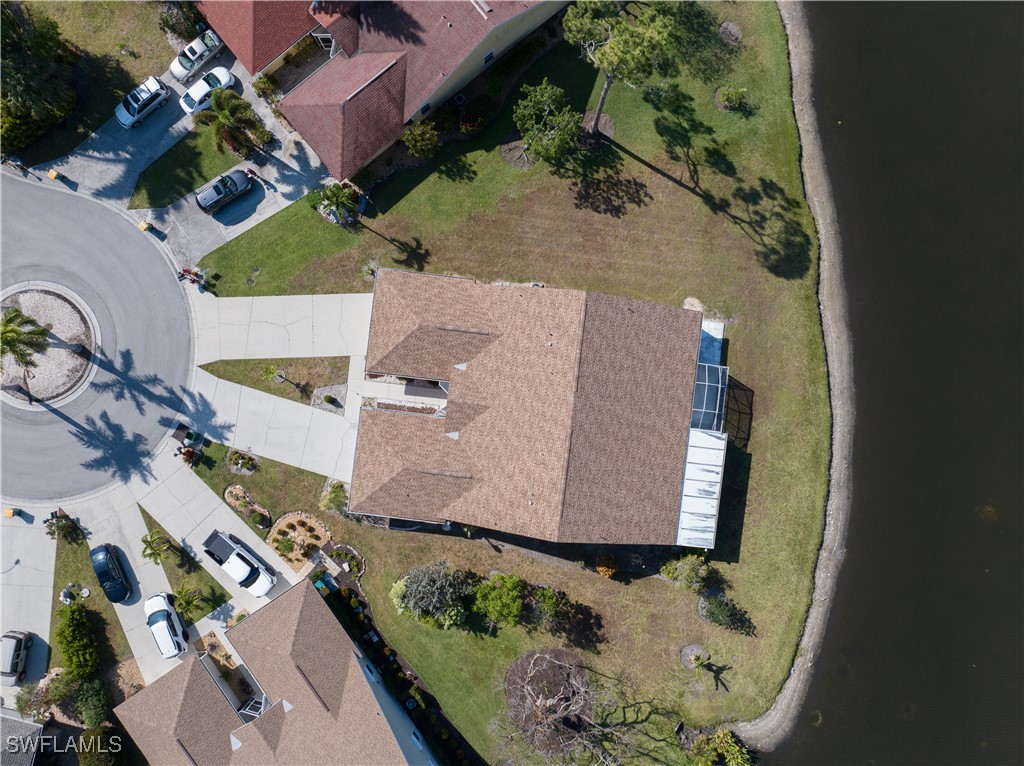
(596,176)
(457,168)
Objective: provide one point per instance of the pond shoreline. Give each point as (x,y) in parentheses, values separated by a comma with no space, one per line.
(768,730)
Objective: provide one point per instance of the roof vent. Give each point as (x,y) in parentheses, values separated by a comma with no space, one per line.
(235,744)
(286,705)
(453,435)
(462,366)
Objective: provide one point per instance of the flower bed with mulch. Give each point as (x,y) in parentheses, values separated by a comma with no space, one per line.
(241,501)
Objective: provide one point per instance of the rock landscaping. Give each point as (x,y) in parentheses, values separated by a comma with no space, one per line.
(241,501)
(296,537)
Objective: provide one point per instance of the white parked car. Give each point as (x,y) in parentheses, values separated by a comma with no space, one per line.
(142,101)
(200,51)
(13,653)
(228,551)
(197,98)
(165,622)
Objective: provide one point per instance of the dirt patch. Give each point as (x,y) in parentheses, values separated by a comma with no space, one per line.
(605,125)
(549,698)
(306,532)
(514,153)
(123,680)
(730,33)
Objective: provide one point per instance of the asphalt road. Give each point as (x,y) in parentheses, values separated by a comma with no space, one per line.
(109,432)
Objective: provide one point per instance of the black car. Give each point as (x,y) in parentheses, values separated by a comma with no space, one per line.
(107,565)
(229,186)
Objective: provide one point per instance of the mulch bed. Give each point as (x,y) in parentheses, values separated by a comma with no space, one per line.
(514,153)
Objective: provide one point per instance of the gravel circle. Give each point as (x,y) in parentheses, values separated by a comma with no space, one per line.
(62,366)
(689,651)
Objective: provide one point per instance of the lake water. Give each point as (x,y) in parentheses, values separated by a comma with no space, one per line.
(921,108)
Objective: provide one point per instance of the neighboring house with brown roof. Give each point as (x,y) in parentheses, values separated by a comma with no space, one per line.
(561,415)
(318,699)
(391,62)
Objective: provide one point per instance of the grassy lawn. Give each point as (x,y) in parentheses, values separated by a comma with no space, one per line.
(306,375)
(102,74)
(177,575)
(289,243)
(686,200)
(73,565)
(183,168)
(278,488)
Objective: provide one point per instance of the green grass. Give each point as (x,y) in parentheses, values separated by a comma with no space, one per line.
(278,488)
(183,168)
(283,246)
(671,211)
(74,565)
(213,593)
(102,74)
(306,374)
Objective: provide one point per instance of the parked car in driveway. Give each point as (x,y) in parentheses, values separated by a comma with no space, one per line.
(197,98)
(14,646)
(106,563)
(196,54)
(165,623)
(228,551)
(141,102)
(228,187)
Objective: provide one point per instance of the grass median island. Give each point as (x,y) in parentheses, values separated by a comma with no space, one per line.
(100,30)
(304,375)
(182,169)
(73,565)
(178,574)
(683,199)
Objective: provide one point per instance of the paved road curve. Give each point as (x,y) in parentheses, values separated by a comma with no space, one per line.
(108,433)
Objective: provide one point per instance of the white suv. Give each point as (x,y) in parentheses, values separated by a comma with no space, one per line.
(244,568)
(164,621)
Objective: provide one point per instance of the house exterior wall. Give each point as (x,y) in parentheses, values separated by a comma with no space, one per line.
(500,39)
(413,746)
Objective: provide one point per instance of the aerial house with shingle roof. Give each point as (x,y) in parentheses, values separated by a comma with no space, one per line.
(562,415)
(318,699)
(390,63)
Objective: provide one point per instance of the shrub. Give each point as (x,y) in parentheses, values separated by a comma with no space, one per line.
(723,611)
(605,566)
(32,701)
(500,600)
(733,98)
(64,527)
(335,498)
(432,589)
(93,704)
(477,112)
(291,525)
(421,140)
(98,746)
(62,688)
(549,606)
(728,746)
(260,519)
(264,85)
(181,19)
(285,545)
(73,637)
(549,126)
(444,119)
(689,571)
(452,616)
(343,197)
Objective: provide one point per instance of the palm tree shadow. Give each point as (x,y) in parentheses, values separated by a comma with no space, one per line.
(199,412)
(125,381)
(122,456)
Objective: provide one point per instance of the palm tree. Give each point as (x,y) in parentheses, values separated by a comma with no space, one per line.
(22,336)
(187,600)
(155,547)
(233,123)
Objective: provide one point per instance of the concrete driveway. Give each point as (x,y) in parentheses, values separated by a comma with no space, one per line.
(26,583)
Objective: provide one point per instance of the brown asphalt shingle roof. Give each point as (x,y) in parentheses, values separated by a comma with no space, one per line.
(323,710)
(572,412)
(258,31)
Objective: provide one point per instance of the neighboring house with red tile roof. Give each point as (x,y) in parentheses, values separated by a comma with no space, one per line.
(562,415)
(318,699)
(346,110)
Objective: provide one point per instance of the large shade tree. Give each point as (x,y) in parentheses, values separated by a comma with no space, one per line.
(21,337)
(35,75)
(548,125)
(628,46)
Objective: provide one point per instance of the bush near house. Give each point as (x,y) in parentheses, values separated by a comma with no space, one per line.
(95,747)
(690,571)
(500,599)
(434,592)
(92,703)
(421,140)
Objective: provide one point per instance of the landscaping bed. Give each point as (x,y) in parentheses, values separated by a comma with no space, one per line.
(296,537)
(304,375)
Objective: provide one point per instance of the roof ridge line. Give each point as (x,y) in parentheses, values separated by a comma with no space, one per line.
(572,412)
